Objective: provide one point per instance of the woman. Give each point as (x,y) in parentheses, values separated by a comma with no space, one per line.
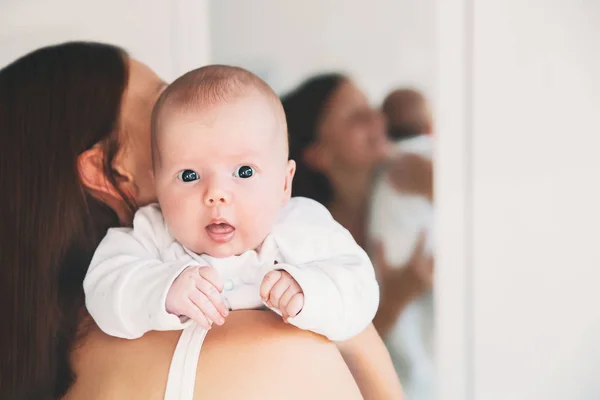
(339,142)
(74,161)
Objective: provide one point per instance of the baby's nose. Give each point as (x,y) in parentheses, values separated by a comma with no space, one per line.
(216,197)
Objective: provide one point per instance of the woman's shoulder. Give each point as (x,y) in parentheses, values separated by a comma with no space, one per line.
(254,347)
(107,367)
(268,359)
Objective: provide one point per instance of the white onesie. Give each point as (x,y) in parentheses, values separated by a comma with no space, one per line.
(397,219)
(133,268)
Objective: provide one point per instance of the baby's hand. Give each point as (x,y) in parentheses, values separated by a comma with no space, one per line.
(281,291)
(195,293)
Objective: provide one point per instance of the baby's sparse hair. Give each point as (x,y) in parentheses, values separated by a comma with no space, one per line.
(407,113)
(206,87)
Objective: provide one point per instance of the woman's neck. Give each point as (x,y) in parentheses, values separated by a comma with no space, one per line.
(350,201)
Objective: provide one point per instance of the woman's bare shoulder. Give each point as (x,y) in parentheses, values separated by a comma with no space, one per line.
(258,356)
(108,368)
(253,354)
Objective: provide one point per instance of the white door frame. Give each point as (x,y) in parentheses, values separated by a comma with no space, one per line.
(453,196)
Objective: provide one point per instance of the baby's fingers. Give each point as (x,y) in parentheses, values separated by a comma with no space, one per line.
(211,275)
(207,307)
(214,296)
(278,291)
(268,282)
(193,312)
(287,295)
(295,305)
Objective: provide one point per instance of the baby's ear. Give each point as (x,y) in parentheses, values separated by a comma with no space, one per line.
(289,177)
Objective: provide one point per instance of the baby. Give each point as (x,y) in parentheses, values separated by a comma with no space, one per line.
(225,234)
(397,219)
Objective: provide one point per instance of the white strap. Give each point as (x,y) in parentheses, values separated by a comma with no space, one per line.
(182,373)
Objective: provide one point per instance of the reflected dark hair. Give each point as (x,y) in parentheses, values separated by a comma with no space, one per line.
(55,103)
(304,110)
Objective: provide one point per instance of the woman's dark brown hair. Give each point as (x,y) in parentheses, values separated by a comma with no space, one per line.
(55,103)
(304,110)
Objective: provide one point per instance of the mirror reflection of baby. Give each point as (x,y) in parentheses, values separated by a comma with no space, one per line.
(225,234)
(398,220)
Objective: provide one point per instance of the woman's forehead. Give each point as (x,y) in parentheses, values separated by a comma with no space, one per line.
(346,99)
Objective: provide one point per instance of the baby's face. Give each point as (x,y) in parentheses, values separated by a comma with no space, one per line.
(223,174)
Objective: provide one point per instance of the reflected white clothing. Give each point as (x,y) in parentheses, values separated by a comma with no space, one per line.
(397,219)
(133,268)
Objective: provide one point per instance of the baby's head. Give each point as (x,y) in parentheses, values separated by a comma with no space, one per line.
(220,155)
(408,114)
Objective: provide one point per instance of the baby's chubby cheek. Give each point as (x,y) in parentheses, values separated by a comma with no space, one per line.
(183,222)
(261,222)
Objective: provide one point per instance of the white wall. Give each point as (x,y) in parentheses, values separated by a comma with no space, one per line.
(172,37)
(523,177)
(382,43)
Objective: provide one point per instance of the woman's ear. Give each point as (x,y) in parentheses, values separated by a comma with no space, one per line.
(91,171)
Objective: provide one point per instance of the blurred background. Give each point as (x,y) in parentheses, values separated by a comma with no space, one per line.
(285,42)
(500,299)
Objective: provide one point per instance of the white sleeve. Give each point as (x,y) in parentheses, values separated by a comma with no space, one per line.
(127,282)
(341,294)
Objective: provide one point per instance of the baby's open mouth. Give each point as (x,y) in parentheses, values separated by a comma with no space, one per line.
(220,232)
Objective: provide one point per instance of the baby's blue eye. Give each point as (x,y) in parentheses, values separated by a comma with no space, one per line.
(187,175)
(244,172)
